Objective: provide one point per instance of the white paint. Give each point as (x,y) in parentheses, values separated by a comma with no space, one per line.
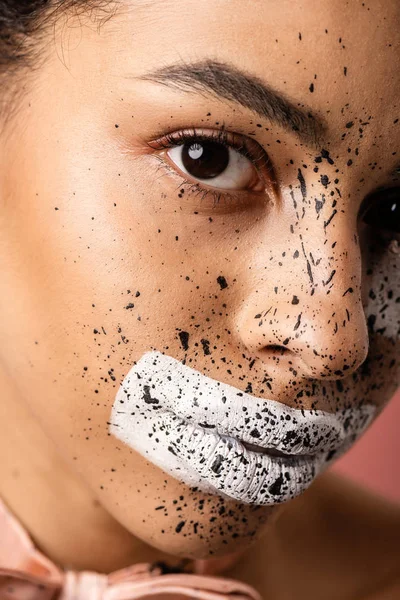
(191,426)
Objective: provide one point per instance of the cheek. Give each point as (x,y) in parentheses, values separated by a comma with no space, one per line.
(98,282)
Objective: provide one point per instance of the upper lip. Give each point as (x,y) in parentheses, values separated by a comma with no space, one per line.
(224,409)
(288,430)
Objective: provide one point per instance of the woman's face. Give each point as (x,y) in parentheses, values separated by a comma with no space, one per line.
(269,264)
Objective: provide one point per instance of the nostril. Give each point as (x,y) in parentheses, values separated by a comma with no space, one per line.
(277,348)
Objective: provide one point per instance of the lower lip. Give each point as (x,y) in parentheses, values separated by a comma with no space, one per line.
(249,476)
(245,475)
(222,465)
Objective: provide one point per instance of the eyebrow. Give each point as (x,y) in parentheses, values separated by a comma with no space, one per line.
(226,81)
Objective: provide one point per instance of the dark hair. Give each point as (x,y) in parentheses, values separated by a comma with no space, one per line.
(18,18)
(23,28)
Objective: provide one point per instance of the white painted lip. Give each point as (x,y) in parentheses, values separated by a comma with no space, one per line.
(193,426)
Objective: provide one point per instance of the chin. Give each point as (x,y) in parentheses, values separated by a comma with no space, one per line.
(189,523)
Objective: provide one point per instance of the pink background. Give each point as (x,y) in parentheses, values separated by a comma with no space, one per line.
(374,460)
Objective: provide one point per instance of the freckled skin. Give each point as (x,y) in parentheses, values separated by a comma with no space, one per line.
(106,255)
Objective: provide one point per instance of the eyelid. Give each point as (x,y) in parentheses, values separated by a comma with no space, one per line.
(247,146)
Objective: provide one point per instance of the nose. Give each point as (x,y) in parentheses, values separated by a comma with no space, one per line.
(309,314)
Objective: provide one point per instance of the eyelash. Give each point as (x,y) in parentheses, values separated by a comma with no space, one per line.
(240,143)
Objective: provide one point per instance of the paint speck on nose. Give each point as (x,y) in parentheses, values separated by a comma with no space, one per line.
(184,338)
(222,282)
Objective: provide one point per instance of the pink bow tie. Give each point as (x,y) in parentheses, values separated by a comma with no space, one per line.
(26,574)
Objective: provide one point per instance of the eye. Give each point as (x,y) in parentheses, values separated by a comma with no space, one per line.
(381,210)
(216,164)
(218,161)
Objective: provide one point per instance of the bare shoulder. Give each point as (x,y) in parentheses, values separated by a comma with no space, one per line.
(363,532)
(337,540)
(387,590)
(357,515)
(349,499)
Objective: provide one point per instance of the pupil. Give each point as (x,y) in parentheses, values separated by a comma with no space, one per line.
(205,160)
(390,217)
(385,212)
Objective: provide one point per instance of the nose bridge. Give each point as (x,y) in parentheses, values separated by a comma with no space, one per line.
(316,312)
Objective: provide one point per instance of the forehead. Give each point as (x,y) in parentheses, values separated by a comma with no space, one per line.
(326,54)
(339,59)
